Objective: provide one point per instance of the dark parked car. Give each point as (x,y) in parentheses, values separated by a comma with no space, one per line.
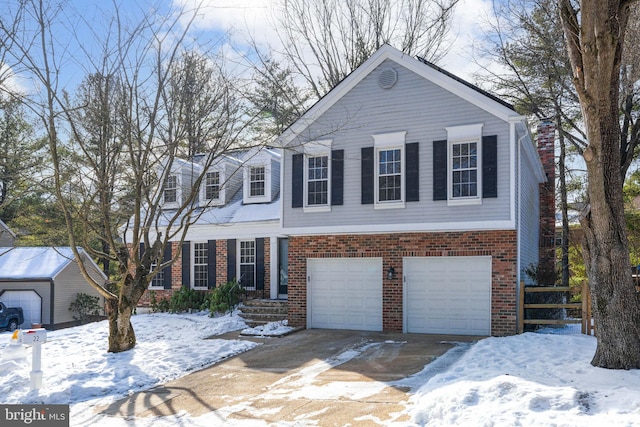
(10,317)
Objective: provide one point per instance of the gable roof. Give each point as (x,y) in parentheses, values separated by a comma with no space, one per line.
(421,67)
(35,263)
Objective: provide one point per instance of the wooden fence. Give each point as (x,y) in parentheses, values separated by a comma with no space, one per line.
(585,308)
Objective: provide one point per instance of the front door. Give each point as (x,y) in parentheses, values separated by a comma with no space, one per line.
(283,266)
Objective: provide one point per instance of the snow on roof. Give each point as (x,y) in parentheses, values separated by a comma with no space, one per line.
(33,262)
(233,212)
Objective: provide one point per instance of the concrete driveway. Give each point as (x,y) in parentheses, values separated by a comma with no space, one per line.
(316,376)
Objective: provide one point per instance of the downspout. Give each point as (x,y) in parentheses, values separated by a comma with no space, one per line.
(52,304)
(518,225)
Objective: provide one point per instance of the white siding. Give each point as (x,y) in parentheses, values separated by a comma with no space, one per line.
(529,213)
(423,110)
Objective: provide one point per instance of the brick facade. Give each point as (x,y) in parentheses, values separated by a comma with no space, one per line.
(221,273)
(546,151)
(500,245)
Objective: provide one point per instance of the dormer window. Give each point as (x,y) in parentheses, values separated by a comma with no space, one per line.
(170,189)
(257,181)
(212,186)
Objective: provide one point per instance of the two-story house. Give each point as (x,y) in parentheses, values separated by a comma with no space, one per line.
(410,200)
(405,200)
(236,234)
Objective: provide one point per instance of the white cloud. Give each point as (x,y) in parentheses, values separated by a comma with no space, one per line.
(471,17)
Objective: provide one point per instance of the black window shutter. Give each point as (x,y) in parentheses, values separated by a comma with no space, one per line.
(367,174)
(440,162)
(141,250)
(297,181)
(337,177)
(186,264)
(489,166)
(166,272)
(260,264)
(412,174)
(231,259)
(211,264)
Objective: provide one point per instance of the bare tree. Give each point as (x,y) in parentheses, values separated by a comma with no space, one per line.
(114,144)
(595,32)
(527,39)
(324,40)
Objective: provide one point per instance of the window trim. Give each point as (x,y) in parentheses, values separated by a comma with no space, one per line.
(463,135)
(318,148)
(239,263)
(387,142)
(157,278)
(178,191)
(221,189)
(246,189)
(193,266)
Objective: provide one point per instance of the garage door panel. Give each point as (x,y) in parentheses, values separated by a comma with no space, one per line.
(448,295)
(29,301)
(345,293)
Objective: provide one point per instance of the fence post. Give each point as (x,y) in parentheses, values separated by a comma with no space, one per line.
(585,304)
(521,309)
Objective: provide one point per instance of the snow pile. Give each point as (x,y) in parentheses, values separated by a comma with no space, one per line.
(271,329)
(529,379)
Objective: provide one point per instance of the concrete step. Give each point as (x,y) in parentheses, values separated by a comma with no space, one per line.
(265,303)
(258,312)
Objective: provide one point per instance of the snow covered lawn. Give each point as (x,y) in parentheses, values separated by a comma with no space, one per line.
(77,369)
(530,379)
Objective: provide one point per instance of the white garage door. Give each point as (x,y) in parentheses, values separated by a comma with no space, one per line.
(448,295)
(30,302)
(344,293)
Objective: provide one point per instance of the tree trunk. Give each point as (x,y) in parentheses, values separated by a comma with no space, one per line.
(595,37)
(121,334)
(616,304)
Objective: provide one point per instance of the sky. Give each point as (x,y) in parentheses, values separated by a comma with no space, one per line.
(235,19)
(257,17)
(532,379)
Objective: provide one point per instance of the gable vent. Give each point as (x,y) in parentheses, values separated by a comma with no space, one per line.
(387,78)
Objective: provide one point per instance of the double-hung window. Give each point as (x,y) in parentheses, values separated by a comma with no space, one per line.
(170,189)
(248,264)
(200,265)
(257,180)
(389,169)
(157,282)
(257,176)
(390,175)
(317,176)
(464,164)
(318,180)
(212,186)
(464,169)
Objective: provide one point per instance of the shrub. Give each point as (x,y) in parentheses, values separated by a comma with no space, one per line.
(85,307)
(158,306)
(183,299)
(224,298)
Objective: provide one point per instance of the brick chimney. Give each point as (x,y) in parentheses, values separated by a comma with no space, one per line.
(547,249)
